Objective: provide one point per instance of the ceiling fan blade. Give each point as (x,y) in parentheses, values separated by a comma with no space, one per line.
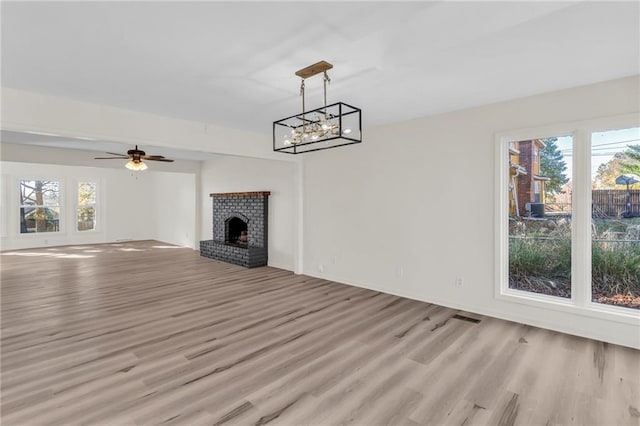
(152,157)
(110,158)
(167,160)
(115,153)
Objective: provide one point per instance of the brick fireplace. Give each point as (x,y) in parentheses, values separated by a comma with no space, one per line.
(240,225)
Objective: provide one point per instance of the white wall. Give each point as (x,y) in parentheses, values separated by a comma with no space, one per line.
(413,206)
(173,197)
(240,174)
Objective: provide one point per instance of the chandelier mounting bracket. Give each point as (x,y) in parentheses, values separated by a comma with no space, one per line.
(311,70)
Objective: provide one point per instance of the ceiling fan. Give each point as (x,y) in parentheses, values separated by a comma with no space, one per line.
(135,157)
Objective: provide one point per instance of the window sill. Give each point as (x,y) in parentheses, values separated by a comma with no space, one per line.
(592,310)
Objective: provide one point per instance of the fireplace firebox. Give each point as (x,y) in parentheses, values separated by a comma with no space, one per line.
(236,232)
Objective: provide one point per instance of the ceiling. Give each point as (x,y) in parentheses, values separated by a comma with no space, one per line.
(233,63)
(99,147)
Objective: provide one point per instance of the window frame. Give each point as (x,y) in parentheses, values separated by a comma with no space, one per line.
(61,205)
(77,205)
(580,301)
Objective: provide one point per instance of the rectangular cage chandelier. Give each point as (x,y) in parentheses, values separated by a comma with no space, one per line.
(329,126)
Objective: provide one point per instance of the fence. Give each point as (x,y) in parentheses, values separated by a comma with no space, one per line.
(613,202)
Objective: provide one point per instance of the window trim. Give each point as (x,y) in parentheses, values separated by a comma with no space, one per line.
(96,205)
(62,225)
(580,302)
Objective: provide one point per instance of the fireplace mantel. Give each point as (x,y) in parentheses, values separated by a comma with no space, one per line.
(239,194)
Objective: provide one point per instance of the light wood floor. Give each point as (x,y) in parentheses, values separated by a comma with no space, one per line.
(145,333)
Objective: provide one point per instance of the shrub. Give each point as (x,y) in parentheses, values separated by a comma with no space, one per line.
(549,257)
(540,259)
(615,268)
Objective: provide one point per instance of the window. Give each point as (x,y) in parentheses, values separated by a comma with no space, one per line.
(539,213)
(39,206)
(615,236)
(86,206)
(536,192)
(568,221)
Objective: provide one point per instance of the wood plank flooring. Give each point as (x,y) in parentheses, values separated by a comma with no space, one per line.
(146,333)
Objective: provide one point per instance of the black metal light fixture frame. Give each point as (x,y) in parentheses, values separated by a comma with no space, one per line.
(343,136)
(329,126)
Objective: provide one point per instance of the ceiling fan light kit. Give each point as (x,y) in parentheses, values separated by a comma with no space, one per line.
(135,157)
(329,126)
(136,165)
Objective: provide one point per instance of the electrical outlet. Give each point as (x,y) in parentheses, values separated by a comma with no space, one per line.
(400,272)
(320,267)
(459,282)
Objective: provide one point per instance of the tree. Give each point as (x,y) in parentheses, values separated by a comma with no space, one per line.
(621,162)
(39,201)
(632,163)
(608,172)
(553,166)
(86,206)
(86,193)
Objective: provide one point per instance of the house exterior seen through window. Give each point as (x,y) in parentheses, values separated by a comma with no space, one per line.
(539,231)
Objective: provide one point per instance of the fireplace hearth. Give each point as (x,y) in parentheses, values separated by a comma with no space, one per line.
(240,222)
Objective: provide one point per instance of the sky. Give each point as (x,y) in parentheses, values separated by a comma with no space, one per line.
(604,145)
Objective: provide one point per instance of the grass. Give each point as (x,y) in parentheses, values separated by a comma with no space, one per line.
(540,259)
(615,267)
